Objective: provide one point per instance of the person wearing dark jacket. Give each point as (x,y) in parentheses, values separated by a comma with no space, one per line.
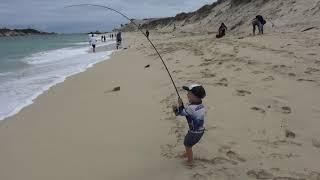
(222,30)
(260,22)
(119,39)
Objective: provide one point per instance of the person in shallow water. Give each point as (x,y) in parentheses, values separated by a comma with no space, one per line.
(93,42)
(119,39)
(194,112)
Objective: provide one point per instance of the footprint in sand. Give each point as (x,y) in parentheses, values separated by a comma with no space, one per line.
(316,143)
(222,160)
(234,156)
(286,110)
(260,174)
(222,82)
(269,78)
(283,156)
(167,151)
(287,178)
(311,70)
(208,59)
(230,66)
(243,92)
(292,74)
(307,80)
(252,62)
(276,144)
(205,64)
(290,134)
(217,161)
(208,75)
(257,72)
(238,69)
(258,109)
(314,176)
(198,176)
(176,71)
(236,49)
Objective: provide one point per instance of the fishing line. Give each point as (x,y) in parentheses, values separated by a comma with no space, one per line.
(131,20)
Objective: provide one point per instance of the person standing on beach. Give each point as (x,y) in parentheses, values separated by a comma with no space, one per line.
(194,112)
(260,22)
(119,39)
(147,33)
(93,42)
(222,31)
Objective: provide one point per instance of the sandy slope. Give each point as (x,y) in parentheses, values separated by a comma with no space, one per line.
(263,108)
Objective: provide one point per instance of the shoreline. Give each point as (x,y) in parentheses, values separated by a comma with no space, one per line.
(46,88)
(81,116)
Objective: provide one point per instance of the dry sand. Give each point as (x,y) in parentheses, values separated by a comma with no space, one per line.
(262,122)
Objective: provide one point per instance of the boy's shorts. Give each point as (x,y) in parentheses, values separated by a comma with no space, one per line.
(192,139)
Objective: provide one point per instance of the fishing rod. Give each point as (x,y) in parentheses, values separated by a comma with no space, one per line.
(131,20)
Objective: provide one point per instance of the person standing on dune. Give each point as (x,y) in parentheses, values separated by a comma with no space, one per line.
(260,22)
(222,31)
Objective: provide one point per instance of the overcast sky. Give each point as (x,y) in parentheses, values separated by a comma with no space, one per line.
(52,16)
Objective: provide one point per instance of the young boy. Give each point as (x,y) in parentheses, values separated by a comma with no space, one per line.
(194,112)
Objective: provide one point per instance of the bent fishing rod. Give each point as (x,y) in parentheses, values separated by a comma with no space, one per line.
(131,20)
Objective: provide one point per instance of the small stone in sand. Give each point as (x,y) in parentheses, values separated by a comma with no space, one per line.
(258,109)
(116,88)
(147,66)
(290,134)
(286,110)
(260,174)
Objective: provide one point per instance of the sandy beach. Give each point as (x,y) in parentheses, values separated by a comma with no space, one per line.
(262,113)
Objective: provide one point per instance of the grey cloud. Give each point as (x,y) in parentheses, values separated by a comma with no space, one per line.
(52,16)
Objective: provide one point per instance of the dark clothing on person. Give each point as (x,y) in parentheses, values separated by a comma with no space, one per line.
(147,33)
(259,22)
(222,30)
(192,139)
(119,39)
(260,18)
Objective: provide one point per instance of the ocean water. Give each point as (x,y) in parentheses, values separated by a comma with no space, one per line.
(30,65)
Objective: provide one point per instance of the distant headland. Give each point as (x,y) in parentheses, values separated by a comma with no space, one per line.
(4,32)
